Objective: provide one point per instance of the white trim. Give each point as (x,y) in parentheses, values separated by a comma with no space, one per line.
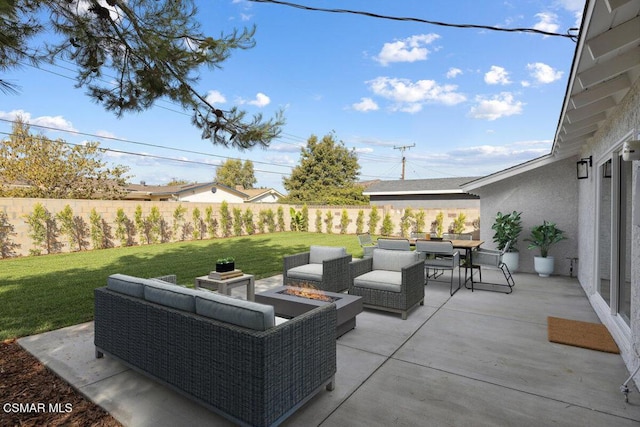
(407,192)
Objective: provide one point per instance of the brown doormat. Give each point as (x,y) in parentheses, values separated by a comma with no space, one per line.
(594,336)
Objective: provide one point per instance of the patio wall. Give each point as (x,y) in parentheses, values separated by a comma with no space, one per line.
(546,193)
(17,208)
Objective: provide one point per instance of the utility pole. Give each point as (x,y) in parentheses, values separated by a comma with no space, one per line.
(402,148)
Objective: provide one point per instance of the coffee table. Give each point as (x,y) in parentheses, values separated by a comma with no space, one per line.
(348,306)
(225,286)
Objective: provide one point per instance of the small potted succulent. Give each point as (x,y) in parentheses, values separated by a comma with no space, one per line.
(225,264)
(507,229)
(543,237)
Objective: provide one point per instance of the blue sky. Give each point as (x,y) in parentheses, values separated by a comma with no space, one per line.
(472,101)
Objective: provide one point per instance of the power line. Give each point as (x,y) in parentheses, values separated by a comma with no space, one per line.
(422,21)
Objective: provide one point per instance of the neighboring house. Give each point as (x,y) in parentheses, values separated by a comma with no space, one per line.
(440,193)
(208,192)
(600,213)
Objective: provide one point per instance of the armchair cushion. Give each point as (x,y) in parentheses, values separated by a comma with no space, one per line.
(312,272)
(392,260)
(318,254)
(380,279)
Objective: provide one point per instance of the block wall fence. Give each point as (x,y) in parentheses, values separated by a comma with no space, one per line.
(18,208)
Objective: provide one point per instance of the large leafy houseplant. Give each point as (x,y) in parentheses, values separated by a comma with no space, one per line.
(544,236)
(507,229)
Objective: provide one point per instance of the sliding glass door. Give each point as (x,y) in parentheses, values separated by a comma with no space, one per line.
(614,235)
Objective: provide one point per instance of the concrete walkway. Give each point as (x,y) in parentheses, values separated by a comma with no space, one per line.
(474,359)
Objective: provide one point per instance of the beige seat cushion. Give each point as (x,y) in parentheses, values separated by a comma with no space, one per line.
(311,272)
(380,279)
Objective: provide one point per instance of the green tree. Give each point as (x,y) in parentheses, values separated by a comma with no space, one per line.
(101,237)
(296,220)
(237,222)
(199,225)
(344,221)
(270,220)
(318,221)
(374,218)
(74,227)
(138,218)
(55,169)
(328,220)
(438,224)
(212,223)
(178,218)
(360,222)
(249,225)
(459,223)
(233,173)
(420,221)
(43,229)
(280,218)
(405,222)
(304,224)
(226,221)
(130,54)
(327,174)
(7,247)
(387,225)
(125,228)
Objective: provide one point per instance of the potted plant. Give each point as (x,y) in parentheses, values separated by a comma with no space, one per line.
(543,237)
(507,229)
(225,264)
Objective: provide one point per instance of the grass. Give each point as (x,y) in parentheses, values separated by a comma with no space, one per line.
(49,292)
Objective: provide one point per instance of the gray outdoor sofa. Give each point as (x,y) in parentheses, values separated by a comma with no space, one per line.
(243,367)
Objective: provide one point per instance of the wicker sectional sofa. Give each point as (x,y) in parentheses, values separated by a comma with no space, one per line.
(224,353)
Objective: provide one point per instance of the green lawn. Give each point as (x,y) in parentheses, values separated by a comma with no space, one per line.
(39,294)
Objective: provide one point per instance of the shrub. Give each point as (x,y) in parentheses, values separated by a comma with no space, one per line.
(318,221)
(387,225)
(125,228)
(237,222)
(249,225)
(225,219)
(360,222)
(74,227)
(212,223)
(329,222)
(280,215)
(7,247)
(344,221)
(43,229)
(374,218)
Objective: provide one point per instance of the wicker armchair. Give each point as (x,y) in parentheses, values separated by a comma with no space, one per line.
(324,267)
(390,280)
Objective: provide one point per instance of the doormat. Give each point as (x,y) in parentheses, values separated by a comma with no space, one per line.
(594,336)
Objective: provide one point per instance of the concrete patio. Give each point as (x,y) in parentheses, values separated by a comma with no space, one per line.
(478,359)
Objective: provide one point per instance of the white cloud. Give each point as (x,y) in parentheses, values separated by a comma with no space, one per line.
(261,100)
(453,73)
(498,106)
(497,76)
(547,21)
(215,97)
(410,49)
(544,73)
(105,134)
(364,150)
(365,104)
(409,96)
(53,122)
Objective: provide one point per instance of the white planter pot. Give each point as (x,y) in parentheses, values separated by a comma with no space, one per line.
(543,266)
(512,260)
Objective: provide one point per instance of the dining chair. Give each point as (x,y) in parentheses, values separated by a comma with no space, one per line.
(439,256)
(394,244)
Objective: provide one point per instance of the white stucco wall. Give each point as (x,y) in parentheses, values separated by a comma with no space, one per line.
(208,197)
(622,124)
(546,193)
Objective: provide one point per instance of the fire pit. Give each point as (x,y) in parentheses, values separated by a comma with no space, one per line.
(289,301)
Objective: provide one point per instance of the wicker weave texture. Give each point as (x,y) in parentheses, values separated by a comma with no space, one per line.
(411,289)
(252,376)
(335,272)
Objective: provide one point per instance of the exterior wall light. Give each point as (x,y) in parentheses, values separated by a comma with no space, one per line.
(583,166)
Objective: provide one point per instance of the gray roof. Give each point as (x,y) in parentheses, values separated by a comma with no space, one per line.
(419,186)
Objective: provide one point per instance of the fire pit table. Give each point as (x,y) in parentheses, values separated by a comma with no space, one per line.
(289,306)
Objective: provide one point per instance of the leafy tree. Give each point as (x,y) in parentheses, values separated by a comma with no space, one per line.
(270,220)
(318,221)
(438,224)
(199,225)
(43,229)
(101,237)
(328,220)
(280,218)
(327,174)
(420,221)
(234,172)
(459,223)
(226,222)
(237,222)
(212,223)
(125,228)
(139,221)
(178,218)
(7,247)
(249,225)
(153,48)
(360,222)
(387,225)
(344,221)
(304,224)
(405,222)
(176,181)
(374,218)
(55,169)
(74,227)
(296,220)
